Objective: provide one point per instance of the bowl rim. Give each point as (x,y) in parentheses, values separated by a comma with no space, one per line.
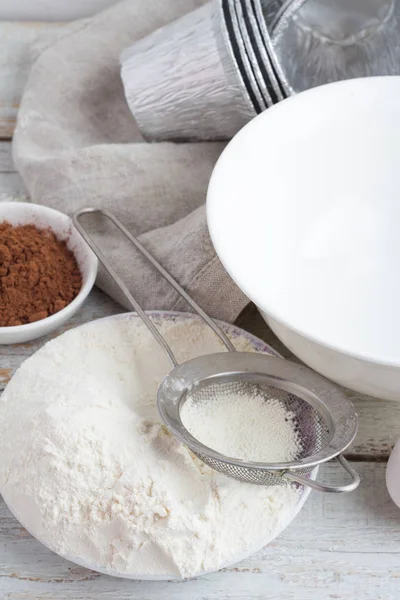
(83,292)
(362,83)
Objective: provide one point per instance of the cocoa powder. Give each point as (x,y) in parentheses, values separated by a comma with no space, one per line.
(38,274)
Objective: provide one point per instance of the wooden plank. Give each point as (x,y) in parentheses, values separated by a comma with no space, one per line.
(6,161)
(50,10)
(16,43)
(12,187)
(339,547)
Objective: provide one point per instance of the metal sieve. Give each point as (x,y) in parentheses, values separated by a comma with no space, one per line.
(324,419)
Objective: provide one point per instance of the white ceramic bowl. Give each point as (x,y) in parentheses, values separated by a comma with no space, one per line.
(23,213)
(304,212)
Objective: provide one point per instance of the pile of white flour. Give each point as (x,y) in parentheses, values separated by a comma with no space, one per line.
(245,426)
(89,469)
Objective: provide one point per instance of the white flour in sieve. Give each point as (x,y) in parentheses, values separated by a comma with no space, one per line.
(90,470)
(244,426)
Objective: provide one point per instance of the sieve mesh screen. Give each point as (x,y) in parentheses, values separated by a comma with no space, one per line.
(310,426)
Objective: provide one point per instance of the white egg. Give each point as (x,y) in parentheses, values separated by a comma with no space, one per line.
(393,474)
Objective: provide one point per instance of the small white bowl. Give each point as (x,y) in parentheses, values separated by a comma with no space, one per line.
(304,212)
(24,213)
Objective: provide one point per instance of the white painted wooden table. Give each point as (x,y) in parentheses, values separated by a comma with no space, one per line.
(339,547)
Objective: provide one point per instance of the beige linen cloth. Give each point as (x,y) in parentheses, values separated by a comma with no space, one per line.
(76,144)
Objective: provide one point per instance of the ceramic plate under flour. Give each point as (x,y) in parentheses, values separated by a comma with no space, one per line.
(259,346)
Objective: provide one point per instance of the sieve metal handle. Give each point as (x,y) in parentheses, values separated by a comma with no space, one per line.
(134,303)
(321,487)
